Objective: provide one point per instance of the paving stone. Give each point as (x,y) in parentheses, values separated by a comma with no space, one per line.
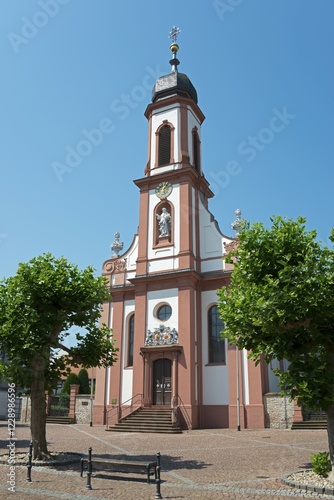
(206,464)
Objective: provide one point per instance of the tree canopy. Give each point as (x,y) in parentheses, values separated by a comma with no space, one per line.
(72,378)
(280,304)
(84,381)
(38,307)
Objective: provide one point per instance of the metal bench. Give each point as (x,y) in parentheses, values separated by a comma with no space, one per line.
(145,467)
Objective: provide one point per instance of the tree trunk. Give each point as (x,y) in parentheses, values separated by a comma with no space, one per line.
(330,432)
(38,409)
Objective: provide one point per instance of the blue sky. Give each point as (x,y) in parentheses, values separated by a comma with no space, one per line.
(263,71)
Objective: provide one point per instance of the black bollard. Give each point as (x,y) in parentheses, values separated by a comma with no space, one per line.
(158,480)
(89,469)
(29,465)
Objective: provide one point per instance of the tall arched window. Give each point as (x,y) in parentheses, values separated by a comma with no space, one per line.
(216,343)
(196,150)
(164,145)
(131,333)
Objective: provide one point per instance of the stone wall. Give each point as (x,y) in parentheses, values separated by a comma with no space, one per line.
(82,408)
(278,411)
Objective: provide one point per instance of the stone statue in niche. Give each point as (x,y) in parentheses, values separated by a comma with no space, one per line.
(164,221)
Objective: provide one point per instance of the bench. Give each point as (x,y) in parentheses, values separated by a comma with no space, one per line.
(145,467)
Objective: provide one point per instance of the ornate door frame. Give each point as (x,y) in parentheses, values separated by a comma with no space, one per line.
(162,382)
(151,354)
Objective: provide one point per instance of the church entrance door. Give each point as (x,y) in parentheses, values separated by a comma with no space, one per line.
(162,382)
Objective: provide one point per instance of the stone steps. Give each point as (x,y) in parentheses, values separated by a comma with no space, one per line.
(147,420)
(60,420)
(309,425)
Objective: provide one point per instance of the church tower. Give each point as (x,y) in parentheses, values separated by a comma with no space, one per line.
(164,304)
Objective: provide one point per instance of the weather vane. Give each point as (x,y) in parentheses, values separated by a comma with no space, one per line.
(173,33)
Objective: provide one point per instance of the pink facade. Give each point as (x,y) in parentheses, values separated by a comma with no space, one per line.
(164,286)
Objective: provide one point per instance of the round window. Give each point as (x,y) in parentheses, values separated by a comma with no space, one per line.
(164,313)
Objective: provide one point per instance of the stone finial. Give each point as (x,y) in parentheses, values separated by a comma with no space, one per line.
(237,223)
(116,245)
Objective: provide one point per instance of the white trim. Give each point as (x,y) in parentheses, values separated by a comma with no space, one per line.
(245,378)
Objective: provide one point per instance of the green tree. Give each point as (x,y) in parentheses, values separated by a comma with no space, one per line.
(72,378)
(38,306)
(280,304)
(84,381)
(64,400)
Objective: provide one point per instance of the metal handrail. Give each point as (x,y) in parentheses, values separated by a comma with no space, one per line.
(118,409)
(178,406)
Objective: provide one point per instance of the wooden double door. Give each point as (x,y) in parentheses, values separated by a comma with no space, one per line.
(162,382)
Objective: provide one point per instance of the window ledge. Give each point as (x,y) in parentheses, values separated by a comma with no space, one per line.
(216,364)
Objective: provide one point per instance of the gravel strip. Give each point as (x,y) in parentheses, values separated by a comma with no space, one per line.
(310,481)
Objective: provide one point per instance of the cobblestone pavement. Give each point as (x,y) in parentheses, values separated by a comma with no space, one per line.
(201,464)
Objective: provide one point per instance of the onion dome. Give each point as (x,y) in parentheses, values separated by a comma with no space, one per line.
(174,83)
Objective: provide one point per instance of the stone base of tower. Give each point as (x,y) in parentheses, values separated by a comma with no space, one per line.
(206,417)
(254,416)
(214,417)
(99,415)
(251,416)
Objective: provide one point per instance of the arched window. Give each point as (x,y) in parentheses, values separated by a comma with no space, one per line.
(216,343)
(196,150)
(164,145)
(131,333)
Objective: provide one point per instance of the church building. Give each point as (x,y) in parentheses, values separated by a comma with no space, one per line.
(163,310)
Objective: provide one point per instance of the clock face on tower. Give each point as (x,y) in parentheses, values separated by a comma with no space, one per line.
(163,190)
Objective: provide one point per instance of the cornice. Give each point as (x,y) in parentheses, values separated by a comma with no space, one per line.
(181,176)
(182,274)
(162,348)
(175,99)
